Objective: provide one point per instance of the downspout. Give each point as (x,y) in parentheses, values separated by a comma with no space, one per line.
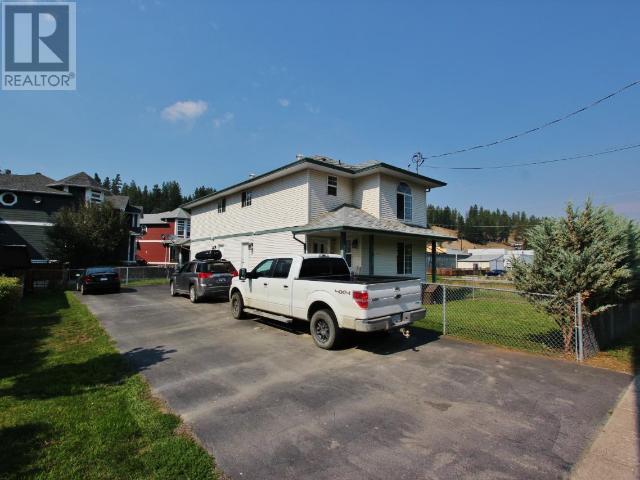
(304,245)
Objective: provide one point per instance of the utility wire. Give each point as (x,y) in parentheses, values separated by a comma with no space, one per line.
(540,127)
(539,162)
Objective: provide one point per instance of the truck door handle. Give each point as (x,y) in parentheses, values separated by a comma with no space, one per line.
(285,286)
(265,284)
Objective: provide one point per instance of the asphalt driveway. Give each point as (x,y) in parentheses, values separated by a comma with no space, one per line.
(268,404)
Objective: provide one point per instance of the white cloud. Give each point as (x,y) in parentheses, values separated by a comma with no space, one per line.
(187,110)
(221,120)
(311,108)
(284,102)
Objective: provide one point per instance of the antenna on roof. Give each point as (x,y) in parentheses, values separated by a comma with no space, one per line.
(417,159)
(251,175)
(299,156)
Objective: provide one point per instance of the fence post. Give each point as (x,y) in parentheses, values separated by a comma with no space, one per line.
(579,326)
(444,309)
(126,282)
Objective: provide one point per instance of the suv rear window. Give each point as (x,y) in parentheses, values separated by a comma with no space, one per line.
(323,267)
(216,267)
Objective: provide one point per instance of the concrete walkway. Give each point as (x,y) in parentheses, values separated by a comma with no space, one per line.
(615,454)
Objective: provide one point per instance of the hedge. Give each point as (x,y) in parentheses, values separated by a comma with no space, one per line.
(10,293)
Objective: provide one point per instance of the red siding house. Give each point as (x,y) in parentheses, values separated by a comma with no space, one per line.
(165,239)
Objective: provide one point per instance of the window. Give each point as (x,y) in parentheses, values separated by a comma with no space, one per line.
(222,205)
(264,268)
(216,267)
(246,198)
(404,202)
(282,268)
(347,252)
(183,228)
(94,196)
(332,185)
(8,199)
(323,267)
(404,259)
(193,267)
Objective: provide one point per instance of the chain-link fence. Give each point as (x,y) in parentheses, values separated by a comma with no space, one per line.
(43,279)
(506,318)
(130,274)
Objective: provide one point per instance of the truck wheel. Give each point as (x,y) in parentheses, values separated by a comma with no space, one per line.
(237,306)
(324,329)
(193,294)
(172,289)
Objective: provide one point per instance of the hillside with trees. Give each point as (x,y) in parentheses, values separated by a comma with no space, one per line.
(158,198)
(480,226)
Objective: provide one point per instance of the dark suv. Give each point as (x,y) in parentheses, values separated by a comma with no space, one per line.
(203,278)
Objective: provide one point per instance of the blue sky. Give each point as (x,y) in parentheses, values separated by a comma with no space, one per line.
(262,81)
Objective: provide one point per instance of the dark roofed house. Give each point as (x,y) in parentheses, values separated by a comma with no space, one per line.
(28,204)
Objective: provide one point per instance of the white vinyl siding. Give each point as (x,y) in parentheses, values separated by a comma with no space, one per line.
(388,204)
(319,201)
(366,194)
(276,204)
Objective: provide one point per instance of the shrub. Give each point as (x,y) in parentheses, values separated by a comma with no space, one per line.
(10,294)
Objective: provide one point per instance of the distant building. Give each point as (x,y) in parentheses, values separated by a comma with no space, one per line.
(28,204)
(166,238)
(493,258)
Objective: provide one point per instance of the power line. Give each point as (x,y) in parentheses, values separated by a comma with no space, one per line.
(540,127)
(539,162)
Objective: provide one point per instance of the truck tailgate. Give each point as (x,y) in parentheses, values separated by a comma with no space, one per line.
(394,297)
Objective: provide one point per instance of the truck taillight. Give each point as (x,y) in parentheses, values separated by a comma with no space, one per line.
(234,273)
(361,298)
(203,275)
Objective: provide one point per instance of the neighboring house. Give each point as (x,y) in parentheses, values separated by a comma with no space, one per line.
(165,238)
(493,258)
(28,204)
(446,257)
(374,214)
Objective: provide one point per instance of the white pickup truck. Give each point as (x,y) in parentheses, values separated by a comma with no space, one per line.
(320,288)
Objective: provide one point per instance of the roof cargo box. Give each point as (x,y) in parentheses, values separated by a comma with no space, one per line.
(209,255)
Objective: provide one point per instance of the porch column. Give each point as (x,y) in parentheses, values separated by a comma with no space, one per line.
(371,255)
(433,261)
(343,244)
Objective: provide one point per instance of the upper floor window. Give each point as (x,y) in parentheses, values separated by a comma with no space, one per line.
(183,228)
(94,196)
(222,205)
(246,198)
(8,199)
(332,185)
(404,202)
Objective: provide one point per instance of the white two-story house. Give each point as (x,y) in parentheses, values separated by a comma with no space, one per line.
(374,214)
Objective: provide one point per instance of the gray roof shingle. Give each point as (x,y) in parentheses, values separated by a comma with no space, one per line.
(80,179)
(36,183)
(349,217)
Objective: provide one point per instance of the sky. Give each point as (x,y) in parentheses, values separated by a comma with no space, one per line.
(208,92)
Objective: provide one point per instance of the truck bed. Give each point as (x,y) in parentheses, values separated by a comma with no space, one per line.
(359,279)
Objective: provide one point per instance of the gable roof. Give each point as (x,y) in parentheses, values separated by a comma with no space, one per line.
(162,217)
(356,170)
(35,183)
(349,217)
(117,201)
(80,179)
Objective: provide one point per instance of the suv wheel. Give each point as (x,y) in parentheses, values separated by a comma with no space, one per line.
(324,330)
(172,289)
(237,305)
(193,294)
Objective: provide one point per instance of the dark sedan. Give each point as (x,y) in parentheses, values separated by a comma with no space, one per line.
(98,279)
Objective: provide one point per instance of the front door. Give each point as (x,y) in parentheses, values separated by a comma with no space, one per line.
(321,245)
(244,255)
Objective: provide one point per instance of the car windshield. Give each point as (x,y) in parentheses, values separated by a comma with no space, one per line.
(216,267)
(100,270)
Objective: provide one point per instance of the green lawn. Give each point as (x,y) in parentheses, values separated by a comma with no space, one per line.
(147,281)
(499,318)
(70,406)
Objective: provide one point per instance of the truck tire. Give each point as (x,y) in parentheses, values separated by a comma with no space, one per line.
(325,330)
(193,294)
(172,289)
(237,305)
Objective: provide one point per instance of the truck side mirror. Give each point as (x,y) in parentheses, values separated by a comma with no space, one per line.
(242,275)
